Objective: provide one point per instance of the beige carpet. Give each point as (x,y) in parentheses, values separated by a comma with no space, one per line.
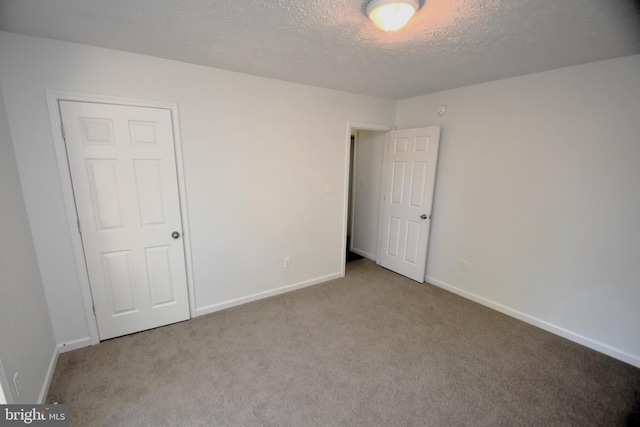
(372,349)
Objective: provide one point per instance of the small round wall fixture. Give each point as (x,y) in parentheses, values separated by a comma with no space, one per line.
(391,15)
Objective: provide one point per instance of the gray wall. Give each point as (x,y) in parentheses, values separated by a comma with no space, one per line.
(27,343)
(538,188)
(258,154)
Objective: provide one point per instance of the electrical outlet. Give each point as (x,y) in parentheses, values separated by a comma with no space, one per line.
(462,266)
(17,383)
(287,262)
(328,187)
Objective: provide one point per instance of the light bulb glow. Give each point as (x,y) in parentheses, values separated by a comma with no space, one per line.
(391,15)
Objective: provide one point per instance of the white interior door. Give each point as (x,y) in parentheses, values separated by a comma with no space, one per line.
(405,212)
(122,164)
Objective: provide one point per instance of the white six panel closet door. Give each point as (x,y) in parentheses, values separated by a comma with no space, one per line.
(122,164)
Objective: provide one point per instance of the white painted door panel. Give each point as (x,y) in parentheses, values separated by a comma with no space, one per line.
(122,164)
(408,182)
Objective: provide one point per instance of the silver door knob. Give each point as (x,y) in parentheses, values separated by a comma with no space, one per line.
(175,234)
(424,216)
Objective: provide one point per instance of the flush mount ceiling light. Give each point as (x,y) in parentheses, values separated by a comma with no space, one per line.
(391,15)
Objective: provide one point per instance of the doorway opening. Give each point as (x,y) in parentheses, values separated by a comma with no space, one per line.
(392,181)
(364,178)
(351,256)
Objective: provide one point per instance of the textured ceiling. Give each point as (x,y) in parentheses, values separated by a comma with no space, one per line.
(332,44)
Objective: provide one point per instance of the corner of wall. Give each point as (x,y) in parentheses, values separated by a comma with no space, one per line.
(49,376)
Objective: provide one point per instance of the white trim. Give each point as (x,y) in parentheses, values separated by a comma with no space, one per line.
(261,295)
(74,345)
(67,192)
(368,126)
(383,190)
(184,211)
(49,376)
(53,97)
(372,257)
(549,327)
(353,177)
(5,391)
(345,214)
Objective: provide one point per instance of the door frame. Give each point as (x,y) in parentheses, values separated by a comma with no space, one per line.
(53,99)
(352,126)
(6,396)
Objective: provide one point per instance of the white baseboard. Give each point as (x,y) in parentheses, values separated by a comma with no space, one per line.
(49,376)
(260,295)
(74,345)
(372,257)
(557,330)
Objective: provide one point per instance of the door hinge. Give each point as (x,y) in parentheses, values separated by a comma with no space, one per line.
(93,307)
(64,136)
(79,229)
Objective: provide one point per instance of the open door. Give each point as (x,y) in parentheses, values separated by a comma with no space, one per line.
(411,157)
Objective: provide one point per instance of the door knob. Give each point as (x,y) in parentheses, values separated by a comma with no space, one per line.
(175,234)
(424,216)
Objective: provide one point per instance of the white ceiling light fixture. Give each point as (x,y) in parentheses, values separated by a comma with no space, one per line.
(391,15)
